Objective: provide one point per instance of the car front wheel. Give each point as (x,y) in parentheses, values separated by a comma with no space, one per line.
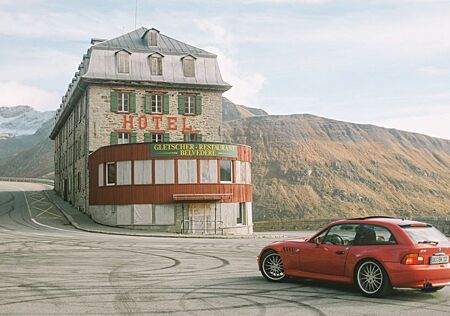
(271,266)
(371,279)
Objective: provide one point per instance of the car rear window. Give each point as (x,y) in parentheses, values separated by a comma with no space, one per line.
(425,234)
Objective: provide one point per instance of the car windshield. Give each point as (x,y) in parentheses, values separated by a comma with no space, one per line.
(425,235)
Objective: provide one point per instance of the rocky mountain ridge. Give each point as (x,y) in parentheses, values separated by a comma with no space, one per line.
(21,120)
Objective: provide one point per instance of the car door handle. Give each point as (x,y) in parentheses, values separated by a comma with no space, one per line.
(340,252)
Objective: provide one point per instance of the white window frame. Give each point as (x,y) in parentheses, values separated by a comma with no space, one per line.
(157,103)
(231,171)
(190,104)
(123,103)
(123,138)
(107,173)
(156,138)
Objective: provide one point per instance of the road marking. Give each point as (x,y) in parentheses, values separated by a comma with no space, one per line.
(31,216)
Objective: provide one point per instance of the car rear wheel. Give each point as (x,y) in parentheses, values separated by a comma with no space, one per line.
(371,279)
(272,267)
(432,289)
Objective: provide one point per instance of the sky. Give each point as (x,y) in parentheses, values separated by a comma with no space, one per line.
(382,62)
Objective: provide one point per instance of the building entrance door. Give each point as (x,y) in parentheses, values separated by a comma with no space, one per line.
(202,219)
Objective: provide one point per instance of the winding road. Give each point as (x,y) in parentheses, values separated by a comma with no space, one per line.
(49,268)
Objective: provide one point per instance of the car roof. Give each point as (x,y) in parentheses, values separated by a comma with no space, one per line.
(381,221)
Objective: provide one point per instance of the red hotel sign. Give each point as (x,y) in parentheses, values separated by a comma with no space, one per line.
(154,122)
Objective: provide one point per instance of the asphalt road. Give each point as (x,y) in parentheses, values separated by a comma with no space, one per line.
(49,268)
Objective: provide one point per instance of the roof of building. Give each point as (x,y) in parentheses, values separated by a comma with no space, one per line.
(134,41)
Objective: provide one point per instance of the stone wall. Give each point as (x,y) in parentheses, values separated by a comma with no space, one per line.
(103,121)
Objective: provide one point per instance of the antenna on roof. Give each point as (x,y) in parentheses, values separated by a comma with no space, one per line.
(135,14)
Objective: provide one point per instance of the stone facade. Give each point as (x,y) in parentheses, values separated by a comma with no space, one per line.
(103,121)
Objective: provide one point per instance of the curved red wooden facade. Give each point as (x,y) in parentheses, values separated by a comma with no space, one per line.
(164,193)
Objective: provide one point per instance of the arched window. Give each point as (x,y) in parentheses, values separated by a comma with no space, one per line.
(156,64)
(188,66)
(123,61)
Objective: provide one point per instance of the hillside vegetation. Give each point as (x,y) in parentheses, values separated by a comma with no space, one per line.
(311,167)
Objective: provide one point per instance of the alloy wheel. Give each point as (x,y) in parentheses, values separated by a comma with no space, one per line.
(370,277)
(273,267)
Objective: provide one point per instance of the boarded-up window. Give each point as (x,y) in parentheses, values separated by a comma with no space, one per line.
(240,172)
(208,171)
(100,174)
(123,62)
(189,66)
(123,172)
(164,214)
(153,38)
(187,171)
(124,215)
(142,214)
(156,65)
(164,172)
(142,172)
(248,172)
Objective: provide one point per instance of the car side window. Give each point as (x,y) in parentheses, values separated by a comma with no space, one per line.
(341,234)
(373,235)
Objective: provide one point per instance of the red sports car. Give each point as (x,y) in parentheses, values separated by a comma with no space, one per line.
(373,253)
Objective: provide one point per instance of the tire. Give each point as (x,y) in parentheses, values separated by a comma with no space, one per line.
(371,279)
(272,267)
(432,289)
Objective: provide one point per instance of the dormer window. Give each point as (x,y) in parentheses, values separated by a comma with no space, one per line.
(156,64)
(189,66)
(123,61)
(150,37)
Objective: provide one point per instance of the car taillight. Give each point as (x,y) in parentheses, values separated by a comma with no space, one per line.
(412,258)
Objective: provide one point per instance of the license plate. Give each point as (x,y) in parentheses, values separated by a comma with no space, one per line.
(438,259)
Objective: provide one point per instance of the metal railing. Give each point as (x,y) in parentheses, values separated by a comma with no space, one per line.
(204,227)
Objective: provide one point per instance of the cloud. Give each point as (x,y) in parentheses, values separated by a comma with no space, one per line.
(434,71)
(247,86)
(16,93)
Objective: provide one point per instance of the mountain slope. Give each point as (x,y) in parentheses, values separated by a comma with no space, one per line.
(311,167)
(33,160)
(232,111)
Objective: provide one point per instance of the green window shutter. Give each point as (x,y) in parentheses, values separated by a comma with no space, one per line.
(181,104)
(186,137)
(113,101)
(199,105)
(133,138)
(147,103)
(147,138)
(133,102)
(199,138)
(114,138)
(166,137)
(166,104)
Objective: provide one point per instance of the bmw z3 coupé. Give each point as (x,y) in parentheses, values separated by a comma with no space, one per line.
(373,253)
